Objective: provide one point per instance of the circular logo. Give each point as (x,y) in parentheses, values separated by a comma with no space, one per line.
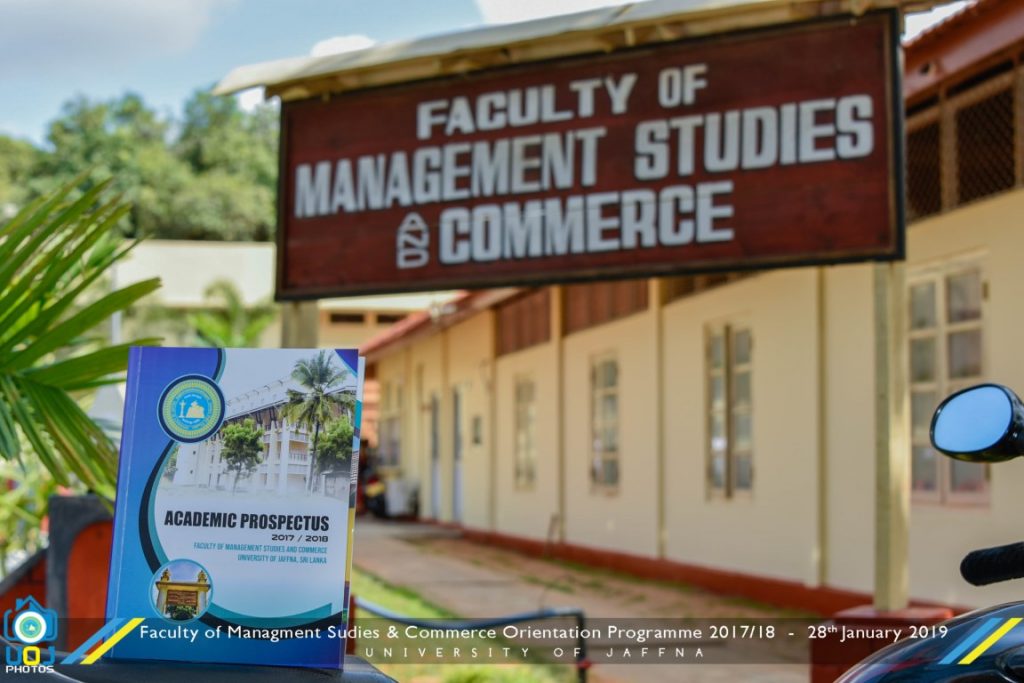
(30,627)
(191,408)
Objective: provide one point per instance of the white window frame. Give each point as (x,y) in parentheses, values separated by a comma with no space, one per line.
(390,430)
(598,456)
(525,433)
(943,385)
(728,408)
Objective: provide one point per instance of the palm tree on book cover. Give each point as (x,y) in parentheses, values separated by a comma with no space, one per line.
(317,407)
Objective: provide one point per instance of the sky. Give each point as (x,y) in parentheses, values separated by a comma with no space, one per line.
(54,50)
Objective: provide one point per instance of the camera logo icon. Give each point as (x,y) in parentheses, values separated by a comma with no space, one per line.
(28,624)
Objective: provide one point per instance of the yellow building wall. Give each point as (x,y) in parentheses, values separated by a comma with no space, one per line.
(435,365)
(626,520)
(778,530)
(528,511)
(391,375)
(469,348)
(773,530)
(941,535)
(424,370)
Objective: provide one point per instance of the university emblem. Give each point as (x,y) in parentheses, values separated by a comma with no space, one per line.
(191,408)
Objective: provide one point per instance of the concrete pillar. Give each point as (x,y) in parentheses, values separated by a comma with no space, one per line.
(272,451)
(557,337)
(283,450)
(161,598)
(892,439)
(300,324)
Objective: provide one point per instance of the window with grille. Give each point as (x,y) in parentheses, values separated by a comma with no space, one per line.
(946,327)
(924,173)
(729,363)
(985,146)
(525,431)
(604,422)
(595,303)
(524,321)
(963,143)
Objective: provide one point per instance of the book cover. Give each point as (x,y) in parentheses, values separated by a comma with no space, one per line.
(235,501)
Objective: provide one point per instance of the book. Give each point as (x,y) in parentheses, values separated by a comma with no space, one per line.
(232,537)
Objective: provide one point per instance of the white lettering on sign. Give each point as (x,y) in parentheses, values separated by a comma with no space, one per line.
(413,242)
(452,167)
(520,107)
(590,223)
(452,172)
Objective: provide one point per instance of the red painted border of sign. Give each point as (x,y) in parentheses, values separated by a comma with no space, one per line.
(895,250)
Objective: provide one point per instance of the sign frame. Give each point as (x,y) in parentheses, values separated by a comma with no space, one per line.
(895,158)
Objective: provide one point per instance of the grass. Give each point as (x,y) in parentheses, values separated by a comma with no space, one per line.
(404,601)
(397,598)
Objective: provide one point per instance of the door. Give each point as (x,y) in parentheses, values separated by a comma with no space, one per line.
(435,458)
(456,456)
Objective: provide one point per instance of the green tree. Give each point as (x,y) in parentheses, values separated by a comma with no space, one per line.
(52,253)
(335,450)
(23,504)
(320,404)
(122,139)
(233,156)
(18,160)
(211,175)
(218,135)
(242,448)
(216,205)
(231,324)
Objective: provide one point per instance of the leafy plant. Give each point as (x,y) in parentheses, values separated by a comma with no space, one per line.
(23,505)
(182,612)
(242,448)
(231,324)
(319,405)
(336,446)
(210,174)
(52,252)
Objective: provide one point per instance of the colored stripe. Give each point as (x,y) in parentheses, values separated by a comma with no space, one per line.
(975,636)
(113,640)
(93,639)
(990,641)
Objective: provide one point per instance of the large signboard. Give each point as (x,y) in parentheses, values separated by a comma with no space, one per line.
(753,150)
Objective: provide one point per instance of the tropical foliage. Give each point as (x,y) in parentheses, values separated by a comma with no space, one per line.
(321,402)
(335,450)
(229,323)
(210,174)
(242,448)
(23,505)
(53,253)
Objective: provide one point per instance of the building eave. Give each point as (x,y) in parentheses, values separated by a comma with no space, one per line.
(593,32)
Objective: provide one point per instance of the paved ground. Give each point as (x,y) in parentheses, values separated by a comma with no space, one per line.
(474,580)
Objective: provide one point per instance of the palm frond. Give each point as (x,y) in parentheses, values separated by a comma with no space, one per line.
(52,254)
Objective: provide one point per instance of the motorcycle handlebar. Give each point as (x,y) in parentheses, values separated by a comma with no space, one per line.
(992,565)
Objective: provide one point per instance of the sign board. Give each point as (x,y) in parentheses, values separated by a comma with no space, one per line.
(184,598)
(751,150)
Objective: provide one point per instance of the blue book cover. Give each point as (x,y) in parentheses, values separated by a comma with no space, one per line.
(235,502)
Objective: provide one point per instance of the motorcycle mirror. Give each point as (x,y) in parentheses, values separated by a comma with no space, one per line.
(984,423)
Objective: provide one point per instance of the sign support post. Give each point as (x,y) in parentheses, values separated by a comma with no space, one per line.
(300,324)
(892,438)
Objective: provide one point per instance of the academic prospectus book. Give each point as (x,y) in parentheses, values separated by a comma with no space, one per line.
(235,503)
